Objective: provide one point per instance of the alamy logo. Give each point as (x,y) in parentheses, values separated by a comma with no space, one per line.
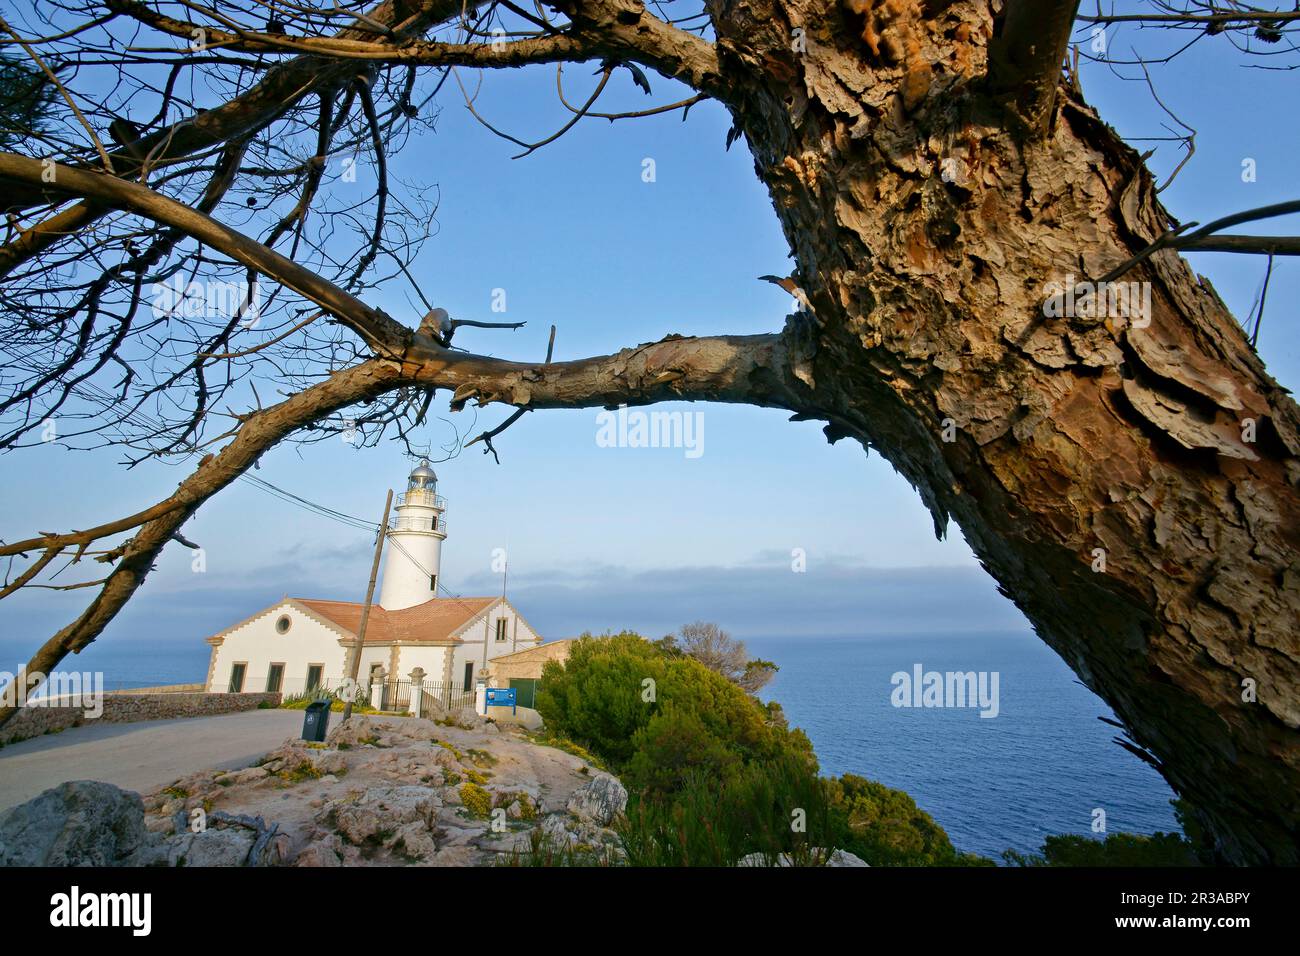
(639,429)
(1130,301)
(922,688)
(74,908)
(60,689)
(211,299)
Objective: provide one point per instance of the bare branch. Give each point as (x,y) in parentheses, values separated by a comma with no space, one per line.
(379,330)
(1175,240)
(1026,57)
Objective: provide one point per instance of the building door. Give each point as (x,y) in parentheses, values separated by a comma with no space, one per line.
(313,676)
(525,691)
(237,678)
(469,675)
(274,678)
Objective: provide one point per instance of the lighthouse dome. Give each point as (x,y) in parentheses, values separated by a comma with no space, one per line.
(422,478)
(423,471)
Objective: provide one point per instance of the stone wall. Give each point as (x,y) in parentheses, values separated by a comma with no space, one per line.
(526,664)
(125,708)
(161,689)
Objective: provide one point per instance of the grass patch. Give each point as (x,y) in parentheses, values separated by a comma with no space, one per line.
(448,747)
(544,738)
(545,850)
(525,803)
(300,702)
(305,770)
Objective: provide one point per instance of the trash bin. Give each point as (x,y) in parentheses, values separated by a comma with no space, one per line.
(317,720)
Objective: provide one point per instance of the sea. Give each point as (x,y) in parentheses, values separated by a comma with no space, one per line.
(1046,764)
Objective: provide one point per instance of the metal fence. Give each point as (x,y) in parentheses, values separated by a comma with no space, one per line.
(450,696)
(390,695)
(395,695)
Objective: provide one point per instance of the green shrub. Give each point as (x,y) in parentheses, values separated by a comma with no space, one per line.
(715,775)
(674,745)
(476,800)
(527,810)
(887,828)
(772,809)
(1117,849)
(595,697)
(305,770)
(600,698)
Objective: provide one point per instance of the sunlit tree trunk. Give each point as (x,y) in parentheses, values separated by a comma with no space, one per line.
(1128,481)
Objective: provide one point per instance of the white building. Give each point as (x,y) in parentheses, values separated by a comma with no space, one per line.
(300,645)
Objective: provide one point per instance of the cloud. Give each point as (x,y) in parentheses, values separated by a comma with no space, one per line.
(759,599)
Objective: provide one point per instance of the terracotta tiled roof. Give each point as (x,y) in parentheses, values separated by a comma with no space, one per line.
(434,620)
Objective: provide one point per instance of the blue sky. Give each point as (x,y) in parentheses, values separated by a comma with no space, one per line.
(626,537)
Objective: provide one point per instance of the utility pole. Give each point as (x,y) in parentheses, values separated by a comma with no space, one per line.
(365,611)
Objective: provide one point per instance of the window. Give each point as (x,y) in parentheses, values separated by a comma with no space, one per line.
(237,678)
(433,583)
(283,624)
(435,522)
(313,676)
(469,675)
(274,678)
(501,629)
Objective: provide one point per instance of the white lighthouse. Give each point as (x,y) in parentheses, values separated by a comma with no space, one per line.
(415,539)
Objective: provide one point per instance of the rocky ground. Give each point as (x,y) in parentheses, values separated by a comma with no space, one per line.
(459,791)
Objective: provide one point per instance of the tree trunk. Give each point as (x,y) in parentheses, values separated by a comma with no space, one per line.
(1131,487)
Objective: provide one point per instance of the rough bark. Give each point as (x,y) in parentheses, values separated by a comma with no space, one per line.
(1070,435)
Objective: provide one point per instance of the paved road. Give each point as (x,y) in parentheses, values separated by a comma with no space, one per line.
(142,756)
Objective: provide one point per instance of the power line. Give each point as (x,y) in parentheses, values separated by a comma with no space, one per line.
(396,543)
(94,393)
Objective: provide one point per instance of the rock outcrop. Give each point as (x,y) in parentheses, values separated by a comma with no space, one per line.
(600,801)
(81,823)
(89,823)
(460,791)
(829,858)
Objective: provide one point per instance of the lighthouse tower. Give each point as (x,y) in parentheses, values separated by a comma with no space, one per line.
(415,536)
